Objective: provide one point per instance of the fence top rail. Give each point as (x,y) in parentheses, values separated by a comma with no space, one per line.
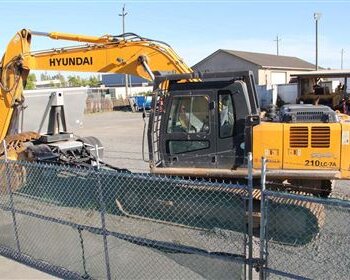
(93,172)
(327,201)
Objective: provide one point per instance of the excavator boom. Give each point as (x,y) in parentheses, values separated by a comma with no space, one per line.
(127,54)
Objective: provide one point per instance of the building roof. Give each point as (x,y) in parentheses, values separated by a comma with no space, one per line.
(47,82)
(268,60)
(119,80)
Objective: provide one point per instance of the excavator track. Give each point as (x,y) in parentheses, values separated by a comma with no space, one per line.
(305,217)
(14,175)
(16,142)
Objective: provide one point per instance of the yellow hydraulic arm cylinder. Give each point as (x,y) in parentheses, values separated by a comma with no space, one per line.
(106,54)
(127,54)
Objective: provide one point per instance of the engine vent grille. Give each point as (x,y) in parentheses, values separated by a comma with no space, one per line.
(299,137)
(320,137)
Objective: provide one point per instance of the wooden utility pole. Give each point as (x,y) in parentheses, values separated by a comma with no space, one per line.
(277,40)
(123,15)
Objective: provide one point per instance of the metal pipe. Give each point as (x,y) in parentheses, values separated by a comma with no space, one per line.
(102,214)
(317,16)
(316,44)
(39,33)
(73,37)
(243,172)
(143,61)
(250,216)
(262,220)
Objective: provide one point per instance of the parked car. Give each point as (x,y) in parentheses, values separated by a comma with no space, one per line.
(140,103)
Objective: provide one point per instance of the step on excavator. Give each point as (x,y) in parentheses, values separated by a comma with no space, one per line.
(201,125)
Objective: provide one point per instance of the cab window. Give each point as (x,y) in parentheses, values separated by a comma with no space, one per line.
(179,146)
(189,114)
(226,115)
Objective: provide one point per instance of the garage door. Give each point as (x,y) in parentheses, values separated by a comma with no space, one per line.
(278,78)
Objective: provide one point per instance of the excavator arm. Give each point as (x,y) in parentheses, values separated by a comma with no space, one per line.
(127,54)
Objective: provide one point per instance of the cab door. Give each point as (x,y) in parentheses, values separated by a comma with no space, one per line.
(189,129)
(226,119)
(232,110)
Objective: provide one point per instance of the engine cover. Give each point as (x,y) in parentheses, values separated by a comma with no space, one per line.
(307,113)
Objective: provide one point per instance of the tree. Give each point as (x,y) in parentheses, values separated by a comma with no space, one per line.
(31,79)
(45,77)
(93,81)
(62,79)
(74,81)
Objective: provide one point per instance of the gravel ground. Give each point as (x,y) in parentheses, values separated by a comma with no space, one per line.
(121,134)
(127,260)
(326,256)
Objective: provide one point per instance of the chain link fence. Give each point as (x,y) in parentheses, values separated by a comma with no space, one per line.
(79,223)
(306,237)
(100,224)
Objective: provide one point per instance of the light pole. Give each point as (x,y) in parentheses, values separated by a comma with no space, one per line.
(317,17)
(341,59)
(123,14)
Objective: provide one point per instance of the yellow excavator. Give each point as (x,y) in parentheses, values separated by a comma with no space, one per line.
(128,53)
(201,125)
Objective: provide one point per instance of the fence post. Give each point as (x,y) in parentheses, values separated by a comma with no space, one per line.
(102,212)
(9,190)
(85,275)
(250,216)
(262,221)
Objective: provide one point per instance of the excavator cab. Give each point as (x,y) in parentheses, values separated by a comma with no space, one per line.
(201,123)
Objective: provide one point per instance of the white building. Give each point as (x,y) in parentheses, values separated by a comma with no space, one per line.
(47,84)
(268,69)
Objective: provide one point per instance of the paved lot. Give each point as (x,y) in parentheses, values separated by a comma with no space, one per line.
(10,269)
(121,135)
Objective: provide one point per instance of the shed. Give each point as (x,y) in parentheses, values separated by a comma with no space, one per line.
(268,69)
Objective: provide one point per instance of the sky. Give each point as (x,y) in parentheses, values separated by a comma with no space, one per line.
(194,29)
